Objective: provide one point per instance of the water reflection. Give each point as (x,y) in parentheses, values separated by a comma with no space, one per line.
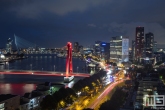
(44,64)
(18,89)
(20,84)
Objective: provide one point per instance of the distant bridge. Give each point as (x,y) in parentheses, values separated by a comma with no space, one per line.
(40,55)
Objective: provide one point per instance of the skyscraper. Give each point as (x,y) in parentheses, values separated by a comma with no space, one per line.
(139,42)
(105,51)
(149,44)
(133,50)
(119,49)
(9,46)
(97,48)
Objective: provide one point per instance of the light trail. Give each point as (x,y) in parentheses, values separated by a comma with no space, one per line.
(106,90)
(104,93)
(43,73)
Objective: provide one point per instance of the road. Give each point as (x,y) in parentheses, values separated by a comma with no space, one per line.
(87,102)
(42,73)
(103,94)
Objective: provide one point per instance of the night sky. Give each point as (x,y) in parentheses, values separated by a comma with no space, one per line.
(51,23)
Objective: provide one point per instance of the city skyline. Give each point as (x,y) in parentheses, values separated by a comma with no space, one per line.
(84,21)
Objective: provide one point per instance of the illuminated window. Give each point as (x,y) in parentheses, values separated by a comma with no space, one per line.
(2,106)
(149,89)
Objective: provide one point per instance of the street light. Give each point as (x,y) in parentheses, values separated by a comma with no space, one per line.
(30,66)
(77,69)
(7,65)
(54,67)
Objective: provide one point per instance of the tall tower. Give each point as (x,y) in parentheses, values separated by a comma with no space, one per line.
(139,42)
(149,44)
(69,68)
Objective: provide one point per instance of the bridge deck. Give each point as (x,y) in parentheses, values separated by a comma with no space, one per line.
(42,73)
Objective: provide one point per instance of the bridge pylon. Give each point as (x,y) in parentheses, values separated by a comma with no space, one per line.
(69,66)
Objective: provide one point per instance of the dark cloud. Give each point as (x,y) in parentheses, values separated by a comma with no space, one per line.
(128,29)
(51,23)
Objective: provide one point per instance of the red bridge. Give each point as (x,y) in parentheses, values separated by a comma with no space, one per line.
(42,73)
(69,68)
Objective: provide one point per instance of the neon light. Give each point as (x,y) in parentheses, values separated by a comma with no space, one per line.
(103,44)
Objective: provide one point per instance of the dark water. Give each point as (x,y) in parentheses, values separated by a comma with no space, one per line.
(20,84)
(45,64)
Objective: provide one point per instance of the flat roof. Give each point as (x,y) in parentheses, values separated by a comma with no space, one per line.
(4,97)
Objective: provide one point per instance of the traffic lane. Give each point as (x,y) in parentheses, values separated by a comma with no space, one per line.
(103,94)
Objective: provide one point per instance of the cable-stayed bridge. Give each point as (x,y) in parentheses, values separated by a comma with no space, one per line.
(31,49)
(22,43)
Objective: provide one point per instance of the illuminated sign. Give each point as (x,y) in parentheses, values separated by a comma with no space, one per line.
(103,44)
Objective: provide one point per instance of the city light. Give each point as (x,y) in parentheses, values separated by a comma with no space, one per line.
(124,71)
(109,72)
(103,44)
(78,93)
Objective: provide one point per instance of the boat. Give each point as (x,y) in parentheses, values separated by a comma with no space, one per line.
(91,65)
(68,79)
(61,55)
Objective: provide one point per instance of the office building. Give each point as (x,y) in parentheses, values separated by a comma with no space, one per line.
(148,85)
(31,101)
(130,55)
(76,47)
(97,48)
(81,50)
(133,50)
(149,44)
(139,43)
(105,51)
(119,49)
(9,46)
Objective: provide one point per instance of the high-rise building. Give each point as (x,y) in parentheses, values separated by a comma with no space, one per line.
(116,49)
(133,50)
(97,48)
(119,49)
(139,42)
(9,46)
(76,47)
(105,51)
(81,49)
(149,44)
(130,55)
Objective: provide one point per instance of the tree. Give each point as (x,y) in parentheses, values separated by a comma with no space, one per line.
(115,102)
(48,103)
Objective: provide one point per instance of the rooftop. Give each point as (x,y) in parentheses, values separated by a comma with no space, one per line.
(51,84)
(4,97)
(32,94)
